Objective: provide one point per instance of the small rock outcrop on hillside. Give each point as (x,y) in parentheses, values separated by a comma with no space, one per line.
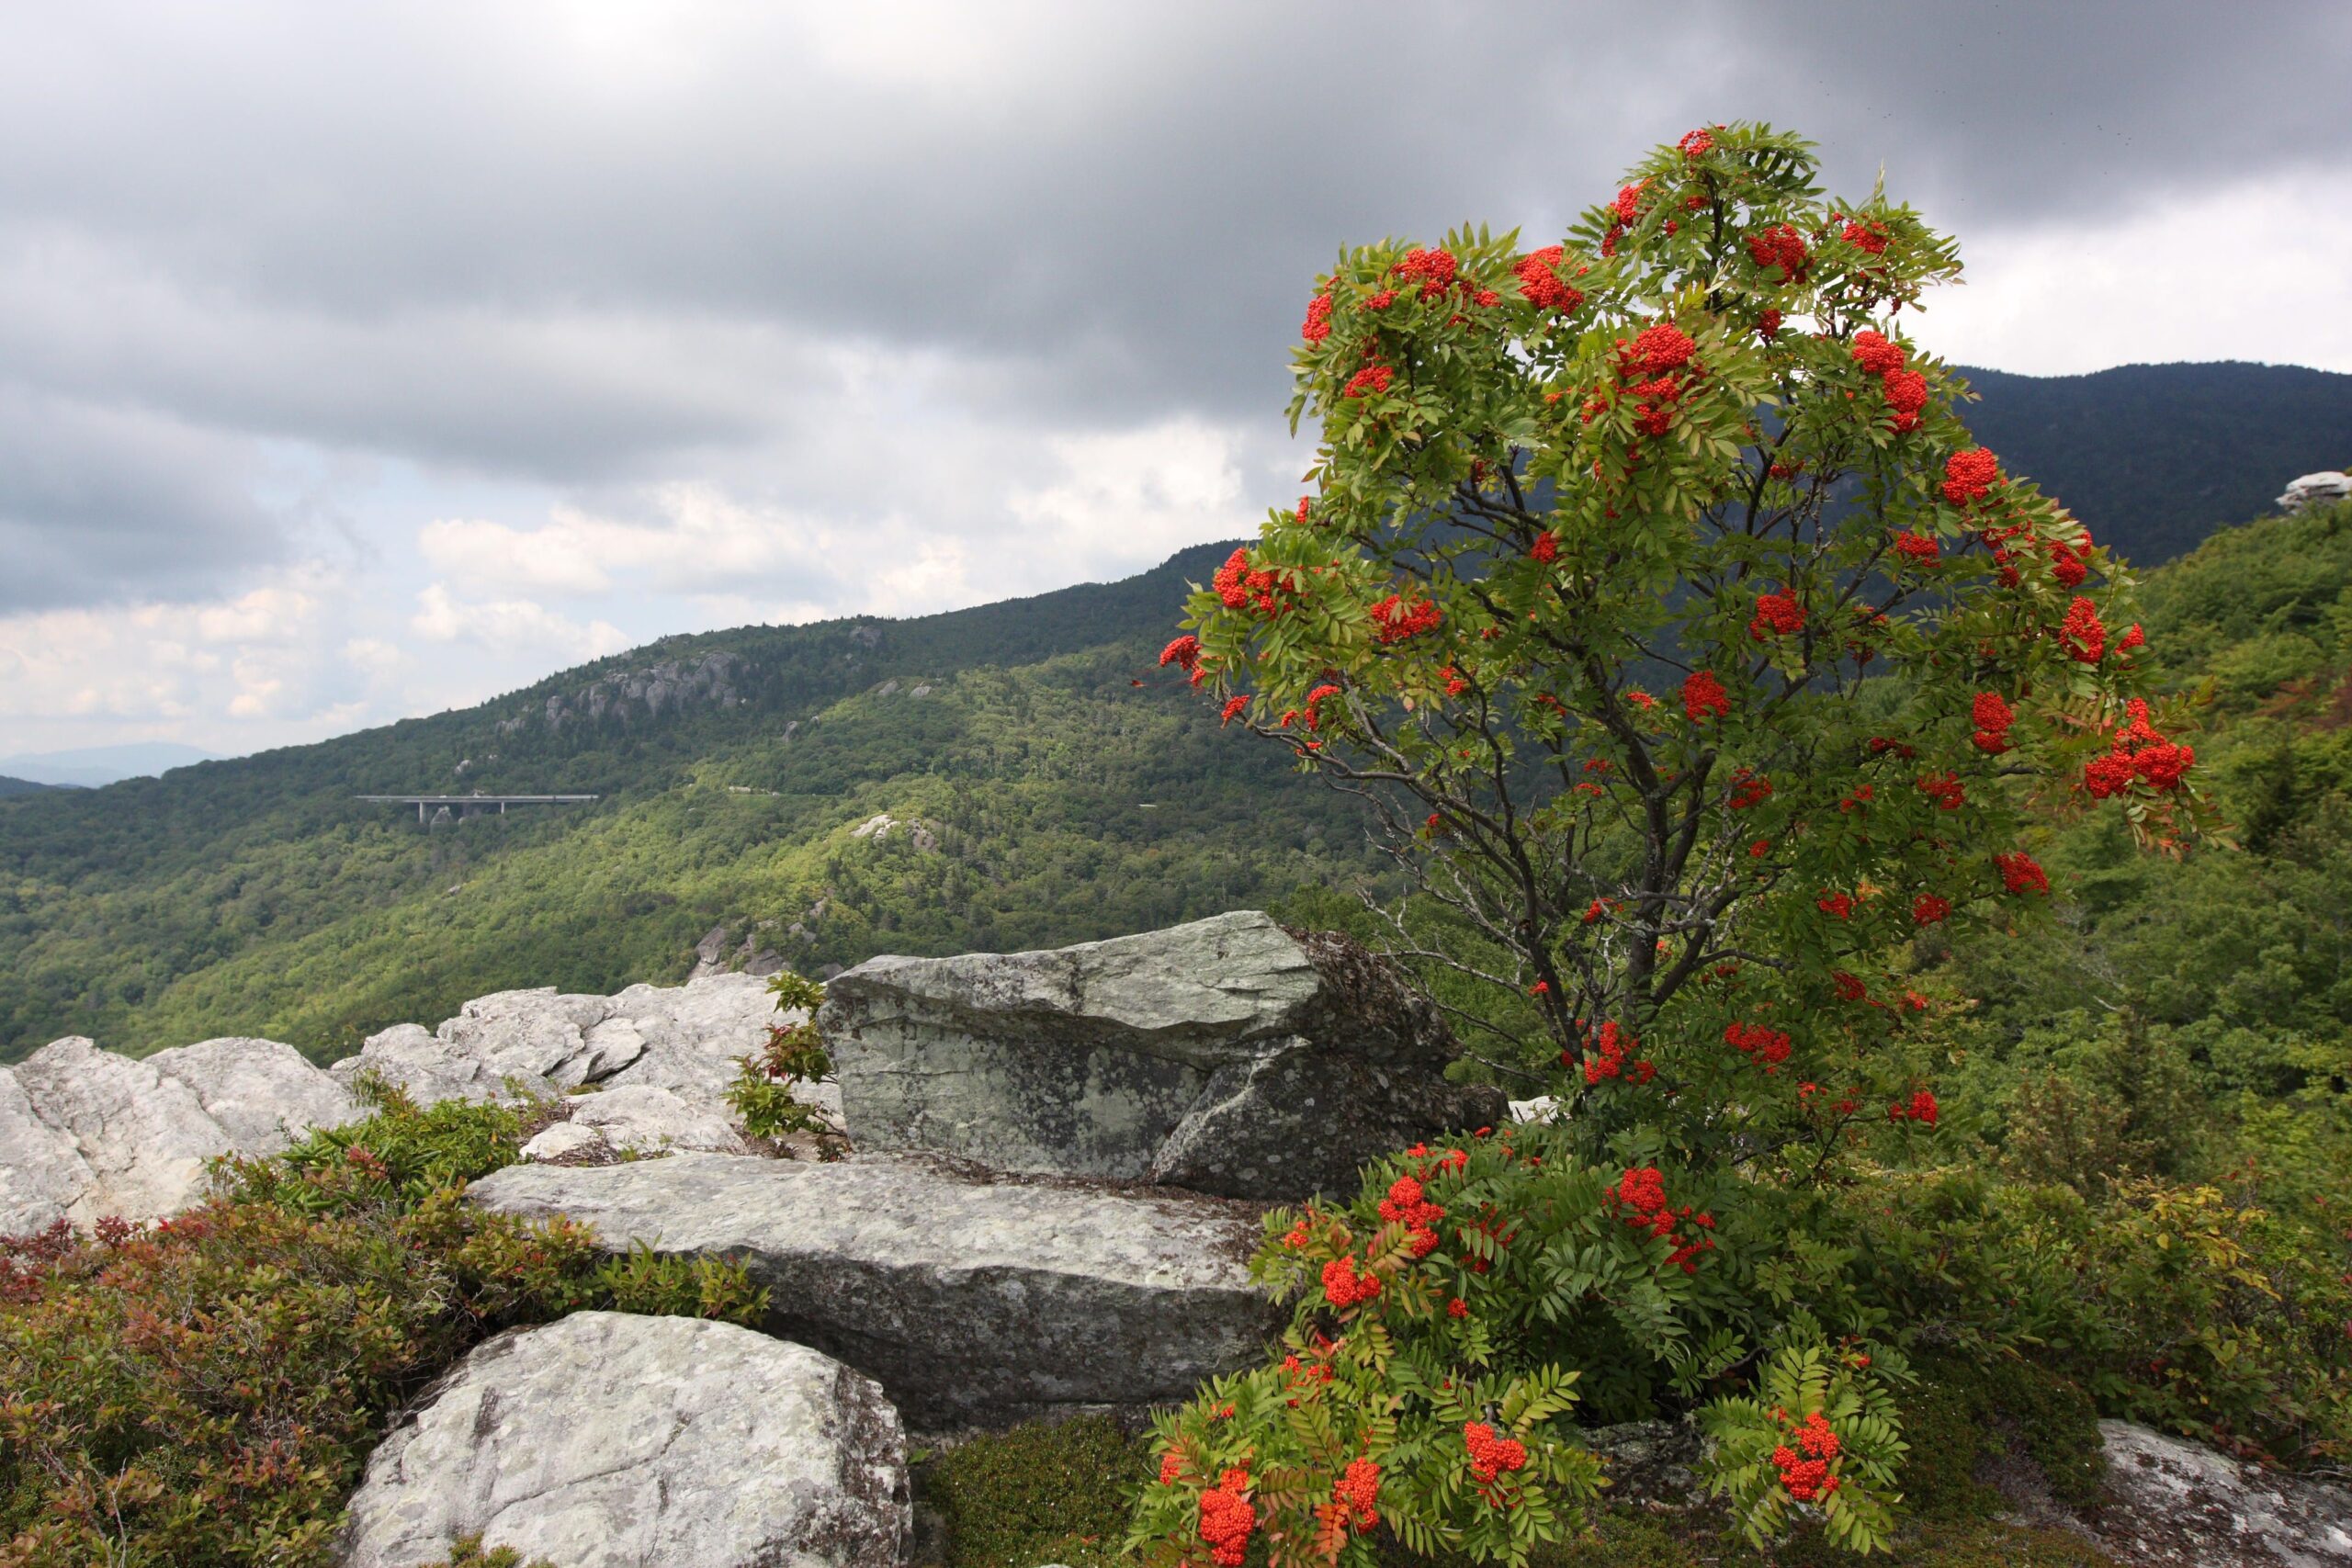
(972,1300)
(1188,1057)
(2315,490)
(86,1134)
(606,1441)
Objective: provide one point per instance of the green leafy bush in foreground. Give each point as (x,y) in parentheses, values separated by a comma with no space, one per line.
(204,1390)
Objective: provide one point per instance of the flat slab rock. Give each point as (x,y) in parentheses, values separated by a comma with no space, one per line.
(1189,1056)
(2176,1504)
(606,1441)
(86,1134)
(972,1301)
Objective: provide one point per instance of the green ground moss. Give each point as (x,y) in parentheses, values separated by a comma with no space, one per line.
(1057,1492)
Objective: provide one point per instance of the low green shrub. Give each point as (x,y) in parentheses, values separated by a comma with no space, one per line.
(469,1554)
(204,1390)
(1045,1492)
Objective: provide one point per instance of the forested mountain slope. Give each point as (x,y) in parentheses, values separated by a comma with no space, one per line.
(255,897)
(2154,457)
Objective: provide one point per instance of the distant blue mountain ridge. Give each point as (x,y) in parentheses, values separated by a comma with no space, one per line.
(91,767)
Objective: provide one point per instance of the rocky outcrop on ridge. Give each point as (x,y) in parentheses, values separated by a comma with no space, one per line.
(86,1134)
(629,695)
(686,1039)
(1187,1057)
(606,1441)
(2315,490)
(972,1300)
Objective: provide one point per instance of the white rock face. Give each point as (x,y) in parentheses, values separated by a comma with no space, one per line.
(93,1133)
(606,1441)
(970,1299)
(2172,1502)
(637,1119)
(683,1038)
(41,1171)
(2315,490)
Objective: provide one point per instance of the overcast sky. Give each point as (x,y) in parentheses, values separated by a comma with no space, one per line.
(364,361)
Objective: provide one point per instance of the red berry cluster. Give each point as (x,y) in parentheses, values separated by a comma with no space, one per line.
(1783,247)
(1355,1495)
(1922,1110)
(1870,237)
(1804,1468)
(1944,789)
(1184,653)
(1767,1047)
(1540,282)
(1609,1047)
(1993,716)
(1315,700)
(1226,1519)
(1399,619)
(1625,212)
(1919,548)
(1344,1287)
(1241,588)
(2082,635)
(1930,909)
(1317,325)
(2020,872)
(1545,549)
(1640,1193)
(1777,614)
(1407,1205)
(1906,389)
(1491,1456)
(1371,378)
(2138,752)
(1747,789)
(1704,694)
(1969,474)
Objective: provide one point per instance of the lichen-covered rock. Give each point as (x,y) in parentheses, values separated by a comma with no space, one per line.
(971,1300)
(94,1133)
(1185,1056)
(2171,1502)
(606,1441)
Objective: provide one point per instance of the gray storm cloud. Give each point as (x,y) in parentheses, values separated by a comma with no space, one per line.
(927,273)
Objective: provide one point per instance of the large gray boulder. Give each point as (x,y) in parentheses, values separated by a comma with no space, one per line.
(606,1441)
(86,1134)
(1229,1056)
(972,1300)
(2171,1502)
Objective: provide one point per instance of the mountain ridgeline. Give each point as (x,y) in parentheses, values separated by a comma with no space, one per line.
(1035,794)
